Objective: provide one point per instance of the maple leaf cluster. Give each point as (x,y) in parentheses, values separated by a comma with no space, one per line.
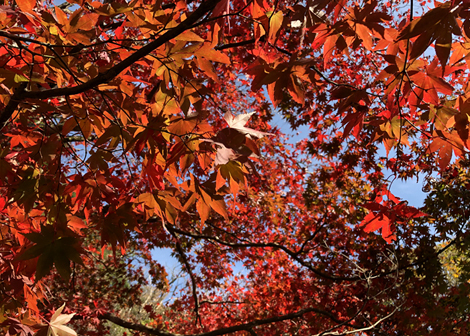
(128,127)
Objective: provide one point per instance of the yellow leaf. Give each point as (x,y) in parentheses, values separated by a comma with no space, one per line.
(189,36)
(275,23)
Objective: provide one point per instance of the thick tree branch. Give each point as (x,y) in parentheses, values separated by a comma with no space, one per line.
(110,74)
(21,93)
(223,331)
(135,326)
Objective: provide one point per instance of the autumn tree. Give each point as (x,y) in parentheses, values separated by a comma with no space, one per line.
(131,126)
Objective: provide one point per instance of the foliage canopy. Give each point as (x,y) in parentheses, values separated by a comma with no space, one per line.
(130,126)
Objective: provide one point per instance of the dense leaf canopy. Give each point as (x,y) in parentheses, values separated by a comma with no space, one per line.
(128,126)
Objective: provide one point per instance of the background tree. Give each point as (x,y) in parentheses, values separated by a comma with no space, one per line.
(119,284)
(127,127)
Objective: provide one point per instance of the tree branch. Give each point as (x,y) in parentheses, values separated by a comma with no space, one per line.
(21,93)
(110,74)
(292,254)
(235,44)
(223,331)
(180,250)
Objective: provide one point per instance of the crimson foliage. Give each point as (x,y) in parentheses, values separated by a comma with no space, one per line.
(130,126)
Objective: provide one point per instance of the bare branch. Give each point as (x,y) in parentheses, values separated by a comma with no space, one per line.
(224,331)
